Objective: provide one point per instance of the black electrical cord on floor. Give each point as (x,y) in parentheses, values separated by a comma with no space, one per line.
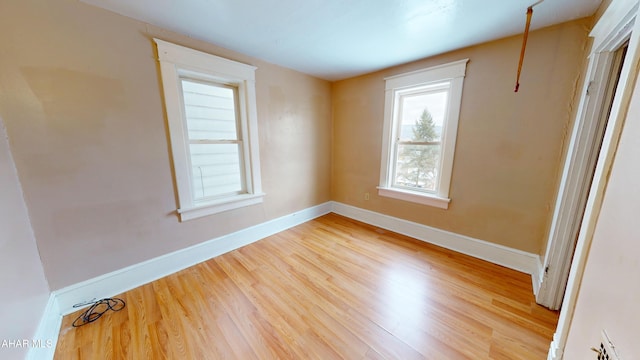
(97,309)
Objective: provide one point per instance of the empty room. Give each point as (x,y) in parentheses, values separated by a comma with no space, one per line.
(433,179)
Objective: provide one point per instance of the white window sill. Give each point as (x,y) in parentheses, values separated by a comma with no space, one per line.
(220,205)
(416,197)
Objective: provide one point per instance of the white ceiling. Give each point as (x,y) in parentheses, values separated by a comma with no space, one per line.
(336,39)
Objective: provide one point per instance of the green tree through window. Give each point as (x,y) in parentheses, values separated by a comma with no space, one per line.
(425,129)
(418,161)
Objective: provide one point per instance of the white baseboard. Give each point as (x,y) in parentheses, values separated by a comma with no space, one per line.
(136,275)
(555,353)
(537,276)
(497,254)
(47,332)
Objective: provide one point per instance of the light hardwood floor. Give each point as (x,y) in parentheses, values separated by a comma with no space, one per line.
(331,288)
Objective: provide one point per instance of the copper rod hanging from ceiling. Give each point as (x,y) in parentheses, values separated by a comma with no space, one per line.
(524,42)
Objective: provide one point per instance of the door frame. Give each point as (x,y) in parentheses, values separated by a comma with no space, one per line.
(582,154)
(616,25)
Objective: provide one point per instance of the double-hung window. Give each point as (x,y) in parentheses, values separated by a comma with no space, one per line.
(210,104)
(421,121)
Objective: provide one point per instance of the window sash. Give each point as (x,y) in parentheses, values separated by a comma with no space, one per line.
(236,131)
(227,168)
(398,143)
(229,183)
(397,167)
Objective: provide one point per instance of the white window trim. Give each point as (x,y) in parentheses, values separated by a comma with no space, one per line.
(176,61)
(454,72)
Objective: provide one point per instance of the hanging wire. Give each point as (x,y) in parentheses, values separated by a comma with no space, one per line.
(524,41)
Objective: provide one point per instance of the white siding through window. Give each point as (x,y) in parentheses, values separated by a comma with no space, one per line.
(215,145)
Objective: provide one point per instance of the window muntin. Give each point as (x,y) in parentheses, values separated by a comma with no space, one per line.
(421,120)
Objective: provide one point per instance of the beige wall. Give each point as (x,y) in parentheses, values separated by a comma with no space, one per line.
(24,291)
(610,289)
(81,98)
(509,145)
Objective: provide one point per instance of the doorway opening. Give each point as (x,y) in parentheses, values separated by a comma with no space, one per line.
(579,168)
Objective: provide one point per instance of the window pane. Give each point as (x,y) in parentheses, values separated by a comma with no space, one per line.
(417,167)
(421,116)
(210,111)
(216,169)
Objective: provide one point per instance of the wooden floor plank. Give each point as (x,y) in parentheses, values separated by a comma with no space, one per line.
(330,288)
